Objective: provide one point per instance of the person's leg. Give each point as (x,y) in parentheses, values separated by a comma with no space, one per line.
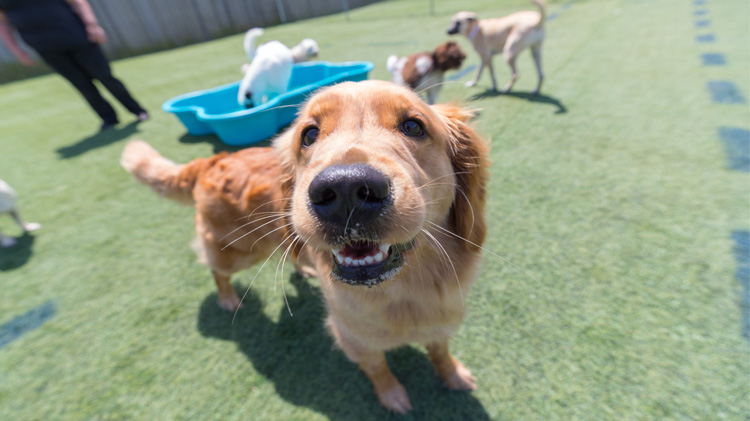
(92,59)
(64,64)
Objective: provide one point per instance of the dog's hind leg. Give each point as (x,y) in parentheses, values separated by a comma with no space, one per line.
(536,52)
(455,375)
(27,226)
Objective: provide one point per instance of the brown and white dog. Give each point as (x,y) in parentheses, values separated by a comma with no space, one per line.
(423,72)
(508,35)
(385,194)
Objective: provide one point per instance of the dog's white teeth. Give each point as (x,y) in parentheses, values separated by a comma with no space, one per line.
(379,257)
(385,248)
(339,258)
(348,260)
(369,259)
(336,252)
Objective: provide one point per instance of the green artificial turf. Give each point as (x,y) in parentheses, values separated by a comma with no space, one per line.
(608,290)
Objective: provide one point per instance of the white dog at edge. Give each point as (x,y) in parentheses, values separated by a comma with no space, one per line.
(8,199)
(270,69)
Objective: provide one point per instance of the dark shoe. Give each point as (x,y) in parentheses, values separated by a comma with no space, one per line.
(107,125)
(143,116)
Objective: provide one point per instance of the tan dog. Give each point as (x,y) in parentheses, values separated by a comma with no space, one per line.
(389,193)
(238,205)
(508,35)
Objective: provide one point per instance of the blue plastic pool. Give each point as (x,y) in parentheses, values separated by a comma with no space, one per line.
(216,110)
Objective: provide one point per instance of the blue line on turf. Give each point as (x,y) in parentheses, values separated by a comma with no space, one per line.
(742,254)
(700,12)
(458,75)
(26,322)
(699,3)
(713,59)
(702,23)
(737,147)
(705,38)
(725,92)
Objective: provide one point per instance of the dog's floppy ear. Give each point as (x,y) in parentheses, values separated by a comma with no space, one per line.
(469,155)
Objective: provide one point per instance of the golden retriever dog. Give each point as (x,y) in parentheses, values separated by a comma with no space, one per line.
(238,204)
(383,192)
(388,194)
(508,35)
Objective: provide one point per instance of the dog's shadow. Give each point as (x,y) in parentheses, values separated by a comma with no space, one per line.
(98,140)
(299,357)
(528,96)
(17,255)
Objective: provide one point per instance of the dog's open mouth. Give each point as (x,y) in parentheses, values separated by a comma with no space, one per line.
(368,263)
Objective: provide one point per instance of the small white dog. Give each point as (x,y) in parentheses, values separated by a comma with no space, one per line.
(8,199)
(270,69)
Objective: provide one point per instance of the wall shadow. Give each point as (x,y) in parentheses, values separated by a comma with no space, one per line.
(17,255)
(299,357)
(540,98)
(98,140)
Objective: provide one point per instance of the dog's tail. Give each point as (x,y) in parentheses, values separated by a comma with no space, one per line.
(390,64)
(542,9)
(170,180)
(249,42)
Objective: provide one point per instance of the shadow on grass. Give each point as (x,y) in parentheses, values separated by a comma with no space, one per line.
(17,255)
(299,357)
(540,98)
(218,145)
(98,140)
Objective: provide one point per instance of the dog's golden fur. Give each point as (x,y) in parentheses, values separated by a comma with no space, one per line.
(436,198)
(237,203)
(438,189)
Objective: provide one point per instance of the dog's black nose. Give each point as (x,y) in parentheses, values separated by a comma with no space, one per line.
(344,194)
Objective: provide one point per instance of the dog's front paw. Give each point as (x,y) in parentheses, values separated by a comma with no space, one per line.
(470,83)
(460,379)
(395,399)
(32,226)
(230,303)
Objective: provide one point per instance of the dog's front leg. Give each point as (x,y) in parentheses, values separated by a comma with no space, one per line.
(478,74)
(391,393)
(228,299)
(455,375)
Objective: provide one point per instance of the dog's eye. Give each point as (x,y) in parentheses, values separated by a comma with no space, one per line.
(309,136)
(412,128)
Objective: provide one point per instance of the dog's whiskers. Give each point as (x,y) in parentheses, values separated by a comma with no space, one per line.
(490,252)
(258,273)
(436,84)
(250,232)
(260,206)
(458,282)
(277,216)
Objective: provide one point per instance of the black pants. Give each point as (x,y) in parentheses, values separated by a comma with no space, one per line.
(81,66)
